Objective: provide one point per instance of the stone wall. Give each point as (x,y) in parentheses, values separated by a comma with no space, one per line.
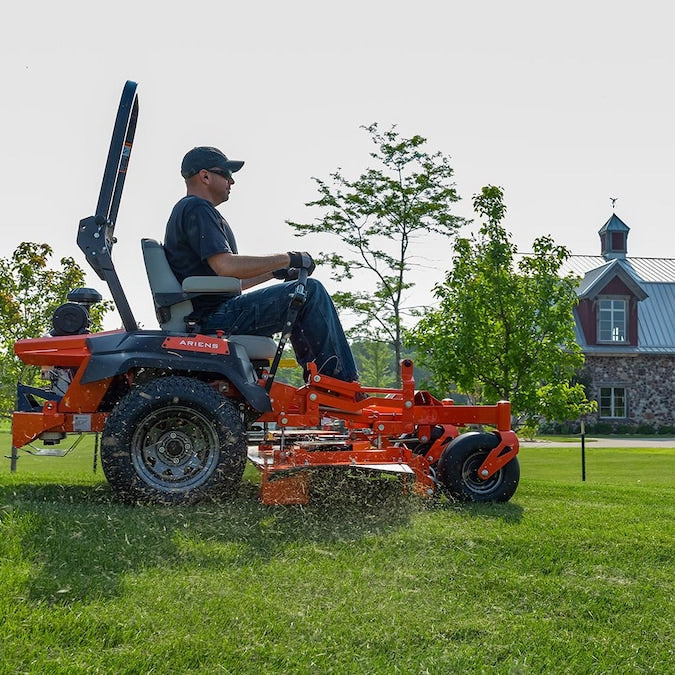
(649,381)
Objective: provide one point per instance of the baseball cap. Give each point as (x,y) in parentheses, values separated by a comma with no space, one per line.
(205,157)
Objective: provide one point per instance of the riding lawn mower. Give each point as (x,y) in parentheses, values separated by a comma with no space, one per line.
(171,407)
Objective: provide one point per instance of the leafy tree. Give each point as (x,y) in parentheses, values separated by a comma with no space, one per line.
(503,328)
(376,363)
(29,293)
(289,371)
(377,218)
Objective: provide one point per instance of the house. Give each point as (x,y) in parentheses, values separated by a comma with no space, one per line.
(625,325)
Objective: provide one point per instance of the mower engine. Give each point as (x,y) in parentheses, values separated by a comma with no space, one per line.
(73,317)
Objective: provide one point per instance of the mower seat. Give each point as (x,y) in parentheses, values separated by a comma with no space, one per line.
(173,301)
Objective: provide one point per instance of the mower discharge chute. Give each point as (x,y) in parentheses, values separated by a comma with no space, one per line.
(172,406)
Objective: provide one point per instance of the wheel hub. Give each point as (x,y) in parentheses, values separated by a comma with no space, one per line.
(471,476)
(174,447)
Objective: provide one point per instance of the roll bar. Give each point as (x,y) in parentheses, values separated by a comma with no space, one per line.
(96,234)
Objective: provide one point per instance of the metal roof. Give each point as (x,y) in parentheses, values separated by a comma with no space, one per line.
(614,224)
(656,318)
(645,269)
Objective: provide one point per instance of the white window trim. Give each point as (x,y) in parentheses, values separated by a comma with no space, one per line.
(626,306)
(613,387)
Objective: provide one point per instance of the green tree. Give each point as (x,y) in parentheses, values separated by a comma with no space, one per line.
(376,363)
(377,218)
(29,293)
(289,372)
(504,328)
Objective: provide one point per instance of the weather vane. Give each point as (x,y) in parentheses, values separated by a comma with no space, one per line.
(613,200)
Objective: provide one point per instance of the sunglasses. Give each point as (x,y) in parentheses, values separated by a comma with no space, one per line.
(221,172)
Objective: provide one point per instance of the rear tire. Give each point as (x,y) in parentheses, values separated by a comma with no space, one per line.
(458,470)
(173,440)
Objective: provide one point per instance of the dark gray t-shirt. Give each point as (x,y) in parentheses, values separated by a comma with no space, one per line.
(194,232)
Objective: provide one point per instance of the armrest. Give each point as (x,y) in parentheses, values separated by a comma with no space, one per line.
(214,284)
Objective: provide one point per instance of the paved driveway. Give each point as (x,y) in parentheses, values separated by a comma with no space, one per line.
(616,442)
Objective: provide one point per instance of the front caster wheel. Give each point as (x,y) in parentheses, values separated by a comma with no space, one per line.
(458,470)
(174,440)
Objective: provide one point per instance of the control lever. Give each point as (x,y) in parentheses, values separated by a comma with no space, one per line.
(298,299)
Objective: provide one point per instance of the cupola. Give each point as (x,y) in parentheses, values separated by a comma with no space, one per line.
(614,238)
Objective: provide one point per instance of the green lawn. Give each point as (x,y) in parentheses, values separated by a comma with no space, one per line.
(568,577)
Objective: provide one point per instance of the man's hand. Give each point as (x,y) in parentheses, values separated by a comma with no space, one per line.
(301,259)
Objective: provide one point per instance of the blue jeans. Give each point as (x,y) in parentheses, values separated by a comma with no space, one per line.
(317,335)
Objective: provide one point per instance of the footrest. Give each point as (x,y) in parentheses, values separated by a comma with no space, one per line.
(389,467)
(46,452)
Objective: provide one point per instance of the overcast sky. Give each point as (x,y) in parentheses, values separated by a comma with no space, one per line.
(563,105)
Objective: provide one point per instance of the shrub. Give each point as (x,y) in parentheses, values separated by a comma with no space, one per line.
(601,428)
(528,431)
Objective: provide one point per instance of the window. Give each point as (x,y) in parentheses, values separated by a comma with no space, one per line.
(618,241)
(612,320)
(612,402)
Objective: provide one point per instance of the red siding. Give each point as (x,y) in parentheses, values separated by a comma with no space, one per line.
(615,287)
(588,320)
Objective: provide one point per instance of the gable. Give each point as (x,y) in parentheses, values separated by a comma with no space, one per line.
(617,286)
(613,278)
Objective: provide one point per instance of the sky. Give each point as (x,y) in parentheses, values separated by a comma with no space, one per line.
(563,105)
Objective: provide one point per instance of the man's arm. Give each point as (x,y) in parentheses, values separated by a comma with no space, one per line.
(255,269)
(251,269)
(250,283)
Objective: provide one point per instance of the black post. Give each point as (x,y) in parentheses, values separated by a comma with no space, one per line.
(95,451)
(583,451)
(13,459)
